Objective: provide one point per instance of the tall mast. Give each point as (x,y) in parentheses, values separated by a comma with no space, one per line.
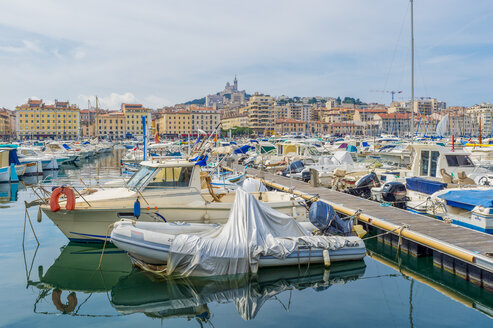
(412,70)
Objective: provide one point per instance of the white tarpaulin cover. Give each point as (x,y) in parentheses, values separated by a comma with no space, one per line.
(342,157)
(253,185)
(253,229)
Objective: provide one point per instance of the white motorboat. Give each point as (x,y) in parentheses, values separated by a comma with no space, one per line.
(470,208)
(62,154)
(13,160)
(150,242)
(168,190)
(7,169)
(254,236)
(31,154)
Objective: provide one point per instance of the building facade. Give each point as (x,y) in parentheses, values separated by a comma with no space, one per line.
(240,121)
(174,123)
(36,120)
(7,124)
(481,115)
(394,123)
(260,111)
(133,119)
(290,126)
(111,125)
(205,119)
(87,123)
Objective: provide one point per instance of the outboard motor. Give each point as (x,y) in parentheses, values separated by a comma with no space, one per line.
(363,186)
(295,167)
(324,217)
(305,175)
(395,193)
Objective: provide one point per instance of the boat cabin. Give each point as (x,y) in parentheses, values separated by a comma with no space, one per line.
(300,149)
(4,158)
(55,148)
(265,147)
(429,159)
(166,174)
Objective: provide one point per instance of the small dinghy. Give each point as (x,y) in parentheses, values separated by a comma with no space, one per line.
(254,236)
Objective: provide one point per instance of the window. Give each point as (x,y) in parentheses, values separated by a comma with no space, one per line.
(458,160)
(425,162)
(434,163)
(172,177)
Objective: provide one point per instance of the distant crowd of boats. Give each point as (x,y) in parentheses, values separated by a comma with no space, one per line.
(19,159)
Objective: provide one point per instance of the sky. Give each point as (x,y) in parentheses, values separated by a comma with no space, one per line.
(161,53)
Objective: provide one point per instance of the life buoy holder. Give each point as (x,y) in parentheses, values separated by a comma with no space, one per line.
(65,308)
(55,196)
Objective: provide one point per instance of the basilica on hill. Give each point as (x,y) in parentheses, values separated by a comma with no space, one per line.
(230,95)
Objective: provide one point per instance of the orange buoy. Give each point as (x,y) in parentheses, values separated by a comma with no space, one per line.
(55,196)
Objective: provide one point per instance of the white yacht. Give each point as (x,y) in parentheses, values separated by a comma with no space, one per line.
(31,154)
(62,154)
(167,191)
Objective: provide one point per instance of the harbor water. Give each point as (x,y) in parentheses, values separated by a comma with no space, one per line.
(59,284)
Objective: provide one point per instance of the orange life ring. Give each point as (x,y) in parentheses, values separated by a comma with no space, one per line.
(55,196)
(65,308)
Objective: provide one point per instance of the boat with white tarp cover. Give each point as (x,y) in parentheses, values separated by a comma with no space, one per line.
(254,236)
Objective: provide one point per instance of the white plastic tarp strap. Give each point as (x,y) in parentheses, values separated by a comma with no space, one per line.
(253,229)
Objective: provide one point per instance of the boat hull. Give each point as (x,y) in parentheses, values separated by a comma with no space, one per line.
(91,225)
(34,168)
(157,253)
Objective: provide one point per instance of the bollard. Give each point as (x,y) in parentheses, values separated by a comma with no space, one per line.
(314,178)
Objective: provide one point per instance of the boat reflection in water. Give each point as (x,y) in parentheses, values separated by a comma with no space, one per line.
(75,270)
(8,192)
(74,273)
(165,297)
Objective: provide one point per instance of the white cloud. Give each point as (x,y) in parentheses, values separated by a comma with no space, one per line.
(112,101)
(27,46)
(79,54)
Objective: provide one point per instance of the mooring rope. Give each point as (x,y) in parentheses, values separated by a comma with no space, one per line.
(104,245)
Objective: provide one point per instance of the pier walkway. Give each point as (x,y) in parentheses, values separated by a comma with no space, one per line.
(465,252)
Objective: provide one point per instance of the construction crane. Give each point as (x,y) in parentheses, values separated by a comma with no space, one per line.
(393,92)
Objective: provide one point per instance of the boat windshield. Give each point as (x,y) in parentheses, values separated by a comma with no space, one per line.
(313,151)
(28,152)
(459,160)
(140,177)
(171,177)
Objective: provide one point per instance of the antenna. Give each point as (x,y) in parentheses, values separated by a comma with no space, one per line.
(412,68)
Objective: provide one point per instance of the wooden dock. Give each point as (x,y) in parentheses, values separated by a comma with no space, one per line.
(464,252)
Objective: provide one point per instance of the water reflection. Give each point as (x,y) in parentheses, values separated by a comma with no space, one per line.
(8,193)
(75,270)
(73,275)
(423,270)
(189,297)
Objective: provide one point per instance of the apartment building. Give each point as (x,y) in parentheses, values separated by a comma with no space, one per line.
(111,125)
(174,123)
(234,121)
(394,123)
(133,119)
(36,120)
(481,114)
(205,119)
(88,123)
(290,126)
(260,111)
(7,124)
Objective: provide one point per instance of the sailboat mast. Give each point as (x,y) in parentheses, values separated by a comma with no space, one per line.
(412,69)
